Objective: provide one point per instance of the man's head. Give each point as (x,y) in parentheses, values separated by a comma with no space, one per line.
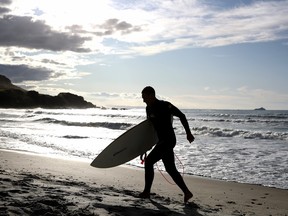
(148,95)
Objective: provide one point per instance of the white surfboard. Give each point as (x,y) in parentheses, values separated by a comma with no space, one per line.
(129,145)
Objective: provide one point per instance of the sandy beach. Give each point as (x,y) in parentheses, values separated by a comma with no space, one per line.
(37,185)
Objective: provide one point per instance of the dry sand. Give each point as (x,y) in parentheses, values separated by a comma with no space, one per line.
(37,185)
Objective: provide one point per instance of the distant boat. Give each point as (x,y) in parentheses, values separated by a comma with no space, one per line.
(261,108)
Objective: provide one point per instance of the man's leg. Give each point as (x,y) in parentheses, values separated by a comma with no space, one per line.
(169,163)
(154,156)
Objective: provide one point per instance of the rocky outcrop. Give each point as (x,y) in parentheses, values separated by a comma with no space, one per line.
(12,96)
(5,84)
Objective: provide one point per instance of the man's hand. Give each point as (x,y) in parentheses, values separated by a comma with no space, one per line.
(190,137)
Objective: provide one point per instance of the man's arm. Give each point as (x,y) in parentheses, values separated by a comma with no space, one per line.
(184,122)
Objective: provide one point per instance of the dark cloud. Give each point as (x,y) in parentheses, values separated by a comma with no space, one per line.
(4,10)
(114,25)
(20,73)
(25,32)
(5,2)
(109,27)
(122,26)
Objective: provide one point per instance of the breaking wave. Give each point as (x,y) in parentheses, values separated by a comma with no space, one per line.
(109,125)
(219,132)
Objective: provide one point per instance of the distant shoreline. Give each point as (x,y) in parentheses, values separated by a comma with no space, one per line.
(12,96)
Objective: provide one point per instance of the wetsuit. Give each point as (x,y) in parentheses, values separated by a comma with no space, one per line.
(161,113)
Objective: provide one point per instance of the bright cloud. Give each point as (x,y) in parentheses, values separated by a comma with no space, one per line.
(146,27)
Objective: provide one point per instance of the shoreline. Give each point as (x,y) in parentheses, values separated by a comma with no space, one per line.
(34,183)
(129,166)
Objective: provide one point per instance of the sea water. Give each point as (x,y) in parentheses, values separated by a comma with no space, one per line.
(246,146)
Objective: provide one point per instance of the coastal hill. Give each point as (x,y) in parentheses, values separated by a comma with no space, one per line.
(12,96)
(5,84)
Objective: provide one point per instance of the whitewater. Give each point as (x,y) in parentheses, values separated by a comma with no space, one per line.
(246,146)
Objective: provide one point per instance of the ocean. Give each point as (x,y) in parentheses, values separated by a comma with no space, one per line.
(245,146)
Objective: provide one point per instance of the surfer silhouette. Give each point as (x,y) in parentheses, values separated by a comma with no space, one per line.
(161,113)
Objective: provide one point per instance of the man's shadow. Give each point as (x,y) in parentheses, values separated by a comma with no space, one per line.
(189,209)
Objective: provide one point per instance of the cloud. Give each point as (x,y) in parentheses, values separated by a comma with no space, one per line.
(115,25)
(49,61)
(111,28)
(170,26)
(145,27)
(5,2)
(25,32)
(4,10)
(20,73)
(105,95)
(148,28)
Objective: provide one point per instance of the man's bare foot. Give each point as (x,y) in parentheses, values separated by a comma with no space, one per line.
(144,195)
(188,195)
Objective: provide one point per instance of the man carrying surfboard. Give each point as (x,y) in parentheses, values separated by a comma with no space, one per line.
(160,113)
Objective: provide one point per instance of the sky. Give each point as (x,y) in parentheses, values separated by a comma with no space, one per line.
(199,54)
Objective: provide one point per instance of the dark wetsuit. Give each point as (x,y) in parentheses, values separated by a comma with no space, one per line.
(161,113)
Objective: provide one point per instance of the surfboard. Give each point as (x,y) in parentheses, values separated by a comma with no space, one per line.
(129,145)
